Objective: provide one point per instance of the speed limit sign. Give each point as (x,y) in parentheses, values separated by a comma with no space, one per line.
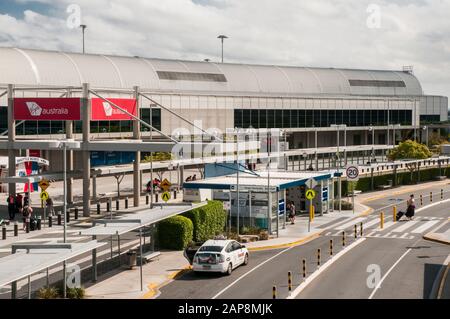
(352,173)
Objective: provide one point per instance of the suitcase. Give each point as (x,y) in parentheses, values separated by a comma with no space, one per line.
(33,224)
(400,214)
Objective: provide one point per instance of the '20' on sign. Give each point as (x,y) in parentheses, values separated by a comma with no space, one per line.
(352,173)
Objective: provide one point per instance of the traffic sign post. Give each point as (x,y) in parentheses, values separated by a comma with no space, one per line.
(165,196)
(310,194)
(352,173)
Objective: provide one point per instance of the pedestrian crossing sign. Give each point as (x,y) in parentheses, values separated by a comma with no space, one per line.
(44,184)
(43,195)
(165,196)
(310,194)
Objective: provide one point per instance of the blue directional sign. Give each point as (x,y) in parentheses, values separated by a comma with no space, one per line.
(281,206)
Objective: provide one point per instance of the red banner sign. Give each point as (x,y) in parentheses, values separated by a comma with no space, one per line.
(47,109)
(104,111)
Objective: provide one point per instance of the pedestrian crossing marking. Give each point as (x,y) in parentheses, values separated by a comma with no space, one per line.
(371,223)
(404,235)
(350,223)
(405,226)
(425,226)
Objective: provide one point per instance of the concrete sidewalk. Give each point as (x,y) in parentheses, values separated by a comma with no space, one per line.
(172,264)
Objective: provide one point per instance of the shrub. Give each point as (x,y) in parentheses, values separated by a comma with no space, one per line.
(75,293)
(48,293)
(208,220)
(344,205)
(175,232)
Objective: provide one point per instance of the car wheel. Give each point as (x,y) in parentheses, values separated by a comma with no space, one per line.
(246,259)
(229,269)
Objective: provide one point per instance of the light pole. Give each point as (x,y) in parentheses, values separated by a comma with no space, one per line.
(338,126)
(222,37)
(372,129)
(83,27)
(64,145)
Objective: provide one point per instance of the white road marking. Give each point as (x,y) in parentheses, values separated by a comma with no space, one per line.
(350,223)
(387,273)
(247,273)
(371,223)
(404,235)
(425,226)
(309,279)
(405,226)
(386,225)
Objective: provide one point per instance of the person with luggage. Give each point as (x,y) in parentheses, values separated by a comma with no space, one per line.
(11,206)
(411,207)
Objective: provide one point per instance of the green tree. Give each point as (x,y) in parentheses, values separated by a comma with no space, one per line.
(409,150)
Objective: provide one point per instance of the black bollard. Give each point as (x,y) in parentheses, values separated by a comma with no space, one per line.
(156,197)
(39,222)
(27,225)
(16,229)
(68,216)
(147,200)
(108,206)
(50,221)
(59,218)
(117,204)
(98,208)
(76,213)
(126,202)
(4,232)
(174,194)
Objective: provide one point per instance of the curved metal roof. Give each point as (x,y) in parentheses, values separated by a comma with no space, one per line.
(36,67)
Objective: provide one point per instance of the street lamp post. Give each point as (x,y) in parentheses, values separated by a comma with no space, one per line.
(83,27)
(372,129)
(64,145)
(425,128)
(222,37)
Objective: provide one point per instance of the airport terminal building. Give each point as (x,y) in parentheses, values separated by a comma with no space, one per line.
(298,100)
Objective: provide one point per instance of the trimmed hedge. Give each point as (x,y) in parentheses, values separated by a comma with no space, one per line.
(208,220)
(175,232)
(403,178)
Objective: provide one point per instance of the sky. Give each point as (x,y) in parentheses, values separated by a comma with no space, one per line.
(383,34)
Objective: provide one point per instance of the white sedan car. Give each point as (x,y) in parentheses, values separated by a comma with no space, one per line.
(220,256)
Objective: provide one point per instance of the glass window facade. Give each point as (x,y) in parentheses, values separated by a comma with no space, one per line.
(245,118)
(58,127)
(430,119)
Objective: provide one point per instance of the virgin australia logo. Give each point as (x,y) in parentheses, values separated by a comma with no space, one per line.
(108,109)
(36,110)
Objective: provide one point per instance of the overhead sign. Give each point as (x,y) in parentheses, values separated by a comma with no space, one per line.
(165,184)
(165,196)
(42,161)
(352,173)
(47,109)
(253,188)
(281,206)
(311,183)
(310,194)
(44,195)
(44,184)
(104,111)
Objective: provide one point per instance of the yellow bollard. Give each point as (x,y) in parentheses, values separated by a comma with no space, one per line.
(311,212)
(394,213)
(381,220)
(421,200)
(356,232)
(431,197)
(318,257)
(304,268)
(361,229)
(343,238)
(274,292)
(289,281)
(331,247)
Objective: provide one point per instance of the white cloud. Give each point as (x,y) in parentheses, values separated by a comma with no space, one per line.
(289,32)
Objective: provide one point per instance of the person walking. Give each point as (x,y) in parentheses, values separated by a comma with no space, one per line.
(292,213)
(19,204)
(51,209)
(26,200)
(26,213)
(11,206)
(410,207)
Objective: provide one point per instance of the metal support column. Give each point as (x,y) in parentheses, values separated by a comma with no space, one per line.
(94,261)
(11,139)
(86,110)
(137,160)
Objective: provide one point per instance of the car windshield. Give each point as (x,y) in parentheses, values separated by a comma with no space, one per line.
(211,248)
